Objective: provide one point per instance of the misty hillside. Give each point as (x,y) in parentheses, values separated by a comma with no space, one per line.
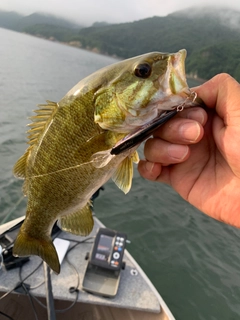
(212,46)
(165,34)
(211,37)
(40,24)
(224,16)
(8,20)
(17,22)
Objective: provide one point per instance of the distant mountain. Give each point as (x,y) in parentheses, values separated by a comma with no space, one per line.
(8,20)
(204,33)
(100,24)
(210,35)
(52,32)
(41,18)
(15,21)
(165,34)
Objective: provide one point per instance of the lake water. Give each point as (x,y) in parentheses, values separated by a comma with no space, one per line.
(192,260)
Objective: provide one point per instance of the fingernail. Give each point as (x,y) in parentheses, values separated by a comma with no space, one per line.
(177,151)
(196,115)
(190,131)
(149,166)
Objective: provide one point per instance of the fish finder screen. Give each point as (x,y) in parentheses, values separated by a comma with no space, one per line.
(104,248)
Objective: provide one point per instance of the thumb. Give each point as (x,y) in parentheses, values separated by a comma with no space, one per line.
(222,92)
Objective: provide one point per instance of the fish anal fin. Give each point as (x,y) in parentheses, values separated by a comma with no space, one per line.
(19,169)
(123,174)
(80,222)
(26,245)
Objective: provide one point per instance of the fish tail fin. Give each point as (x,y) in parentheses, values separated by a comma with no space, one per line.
(26,245)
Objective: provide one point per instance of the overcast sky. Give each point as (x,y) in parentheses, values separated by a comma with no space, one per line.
(88,11)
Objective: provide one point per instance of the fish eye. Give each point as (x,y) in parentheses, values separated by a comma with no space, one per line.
(143,70)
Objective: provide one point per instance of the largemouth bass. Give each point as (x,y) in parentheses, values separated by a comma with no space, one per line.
(70,142)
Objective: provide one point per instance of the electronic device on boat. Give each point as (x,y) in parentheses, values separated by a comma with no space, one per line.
(105,263)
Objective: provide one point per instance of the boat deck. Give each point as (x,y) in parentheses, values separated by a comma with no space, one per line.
(136,297)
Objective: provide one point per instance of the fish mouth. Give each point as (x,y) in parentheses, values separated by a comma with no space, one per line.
(136,137)
(177,78)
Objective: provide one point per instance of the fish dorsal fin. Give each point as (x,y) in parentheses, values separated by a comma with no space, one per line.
(79,222)
(123,174)
(41,121)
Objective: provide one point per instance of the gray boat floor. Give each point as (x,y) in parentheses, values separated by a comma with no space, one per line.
(135,298)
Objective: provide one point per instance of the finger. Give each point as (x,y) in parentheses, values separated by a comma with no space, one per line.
(180,131)
(223,93)
(194,113)
(149,170)
(157,150)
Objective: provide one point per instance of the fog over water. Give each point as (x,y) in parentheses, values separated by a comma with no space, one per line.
(88,12)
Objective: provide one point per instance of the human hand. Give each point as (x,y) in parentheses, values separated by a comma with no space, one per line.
(198,152)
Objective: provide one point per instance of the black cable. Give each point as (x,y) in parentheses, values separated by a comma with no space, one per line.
(29,275)
(38,301)
(31,302)
(77,241)
(31,296)
(72,289)
(22,281)
(5,315)
(49,294)
(74,302)
(27,292)
(41,283)
(37,285)
(19,284)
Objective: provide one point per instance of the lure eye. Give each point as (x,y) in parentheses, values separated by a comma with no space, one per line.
(143,70)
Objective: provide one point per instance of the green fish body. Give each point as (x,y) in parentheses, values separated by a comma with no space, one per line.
(69,158)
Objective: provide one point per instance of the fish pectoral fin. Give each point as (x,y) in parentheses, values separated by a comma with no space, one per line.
(123,174)
(135,157)
(80,222)
(26,245)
